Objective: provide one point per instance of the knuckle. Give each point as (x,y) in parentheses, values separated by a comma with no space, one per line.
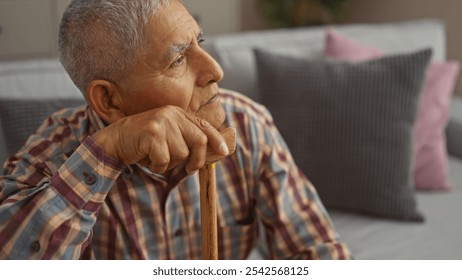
(180,155)
(159,163)
(183,153)
(201,139)
(171,111)
(166,108)
(156,127)
(158,169)
(196,164)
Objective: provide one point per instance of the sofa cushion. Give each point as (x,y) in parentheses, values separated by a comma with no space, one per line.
(33,79)
(21,117)
(431,158)
(36,78)
(349,126)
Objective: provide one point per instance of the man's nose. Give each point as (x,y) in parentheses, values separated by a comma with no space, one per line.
(209,70)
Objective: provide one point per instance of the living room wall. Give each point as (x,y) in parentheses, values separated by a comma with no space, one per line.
(216,16)
(359,11)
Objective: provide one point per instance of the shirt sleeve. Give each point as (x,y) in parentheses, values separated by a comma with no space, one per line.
(296,223)
(48,212)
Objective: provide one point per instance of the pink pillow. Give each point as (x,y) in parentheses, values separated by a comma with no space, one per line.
(431,163)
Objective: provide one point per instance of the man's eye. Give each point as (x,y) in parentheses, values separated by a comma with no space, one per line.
(179,61)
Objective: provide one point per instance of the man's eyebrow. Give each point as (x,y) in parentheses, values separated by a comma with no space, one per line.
(174,50)
(181,47)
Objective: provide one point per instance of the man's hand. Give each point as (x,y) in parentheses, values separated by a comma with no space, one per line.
(162,139)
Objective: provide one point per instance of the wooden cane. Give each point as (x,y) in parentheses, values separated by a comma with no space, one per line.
(209,212)
(208,199)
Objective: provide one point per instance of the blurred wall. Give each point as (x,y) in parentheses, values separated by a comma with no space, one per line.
(396,10)
(384,11)
(215,17)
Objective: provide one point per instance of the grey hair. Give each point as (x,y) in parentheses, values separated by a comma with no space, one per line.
(102,39)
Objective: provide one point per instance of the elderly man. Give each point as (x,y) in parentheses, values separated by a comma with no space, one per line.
(117,179)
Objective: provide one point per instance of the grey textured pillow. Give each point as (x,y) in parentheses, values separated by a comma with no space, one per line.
(349,126)
(21,117)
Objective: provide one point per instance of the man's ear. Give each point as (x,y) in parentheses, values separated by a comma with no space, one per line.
(105,100)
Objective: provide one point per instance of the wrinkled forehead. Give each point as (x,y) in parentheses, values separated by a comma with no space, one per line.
(170,32)
(172,26)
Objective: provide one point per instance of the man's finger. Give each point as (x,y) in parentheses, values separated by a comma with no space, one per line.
(230,137)
(159,156)
(214,139)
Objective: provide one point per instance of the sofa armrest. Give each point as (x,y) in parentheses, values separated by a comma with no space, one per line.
(3,149)
(454,138)
(454,128)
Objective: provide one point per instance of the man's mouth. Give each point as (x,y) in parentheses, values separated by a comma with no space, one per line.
(210,101)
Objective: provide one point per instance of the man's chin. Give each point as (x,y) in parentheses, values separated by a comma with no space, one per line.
(215,115)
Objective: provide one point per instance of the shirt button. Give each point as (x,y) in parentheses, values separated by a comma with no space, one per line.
(90,179)
(35,246)
(178,232)
(127,173)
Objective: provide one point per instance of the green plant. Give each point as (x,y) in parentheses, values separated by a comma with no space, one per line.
(291,13)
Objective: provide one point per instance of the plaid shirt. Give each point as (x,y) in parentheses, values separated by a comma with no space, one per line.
(61,197)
